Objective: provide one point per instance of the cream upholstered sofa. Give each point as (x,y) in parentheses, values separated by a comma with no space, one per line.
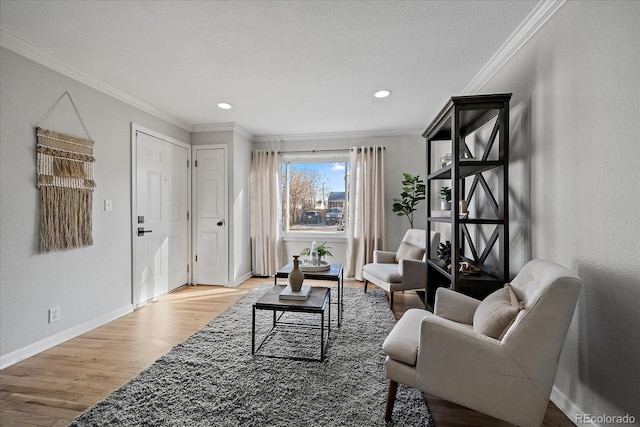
(403,269)
(448,353)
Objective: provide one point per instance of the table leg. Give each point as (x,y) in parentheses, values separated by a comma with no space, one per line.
(322,335)
(340,297)
(329,324)
(253,331)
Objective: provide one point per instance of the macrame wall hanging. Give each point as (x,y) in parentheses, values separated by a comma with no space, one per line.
(65,179)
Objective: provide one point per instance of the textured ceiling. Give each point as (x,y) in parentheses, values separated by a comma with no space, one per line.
(288,67)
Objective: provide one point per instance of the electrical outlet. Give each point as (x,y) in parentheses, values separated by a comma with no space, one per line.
(54,314)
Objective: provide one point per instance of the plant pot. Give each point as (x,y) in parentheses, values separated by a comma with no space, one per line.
(445,206)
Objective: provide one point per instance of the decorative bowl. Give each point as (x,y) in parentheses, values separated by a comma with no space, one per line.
(324,266)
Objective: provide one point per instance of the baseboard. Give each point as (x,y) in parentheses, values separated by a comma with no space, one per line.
(52,341)
(567,406)
(240,280)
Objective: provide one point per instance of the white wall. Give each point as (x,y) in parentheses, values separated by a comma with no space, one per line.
(241,238)
(575,176)
(217,137)
(90,285)
(402,154)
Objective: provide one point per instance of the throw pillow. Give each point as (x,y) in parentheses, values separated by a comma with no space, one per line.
(496,313)
(514,299)
(406,251)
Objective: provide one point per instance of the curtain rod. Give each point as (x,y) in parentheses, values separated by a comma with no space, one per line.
(337,150)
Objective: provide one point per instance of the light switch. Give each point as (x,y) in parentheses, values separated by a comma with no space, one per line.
(108,205)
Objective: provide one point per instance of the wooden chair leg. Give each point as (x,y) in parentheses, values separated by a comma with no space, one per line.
(391,399)
(366,282)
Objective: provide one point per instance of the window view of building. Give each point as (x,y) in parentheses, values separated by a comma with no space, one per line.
(314,195)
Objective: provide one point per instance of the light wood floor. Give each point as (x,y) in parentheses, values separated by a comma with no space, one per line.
(53,387)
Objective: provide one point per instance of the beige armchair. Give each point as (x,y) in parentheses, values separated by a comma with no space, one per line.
(403,269)
(498,356)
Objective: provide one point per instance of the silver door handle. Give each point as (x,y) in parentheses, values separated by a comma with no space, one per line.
(141,231)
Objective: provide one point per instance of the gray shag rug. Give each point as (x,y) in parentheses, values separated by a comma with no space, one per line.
(212,379)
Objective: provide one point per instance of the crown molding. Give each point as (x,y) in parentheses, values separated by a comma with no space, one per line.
(527,29)
(244,133)
(338,135)
(223,127)
(214,127)
(34,53)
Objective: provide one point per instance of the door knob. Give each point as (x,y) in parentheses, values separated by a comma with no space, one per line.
(141,231)
(220,223)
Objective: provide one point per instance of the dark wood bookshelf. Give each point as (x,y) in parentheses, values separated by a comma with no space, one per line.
(484,119)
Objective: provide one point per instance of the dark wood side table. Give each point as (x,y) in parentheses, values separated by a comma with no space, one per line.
(316,303)
(334,274)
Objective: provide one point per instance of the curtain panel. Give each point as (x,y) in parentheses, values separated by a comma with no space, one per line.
(366,208)
(266,217)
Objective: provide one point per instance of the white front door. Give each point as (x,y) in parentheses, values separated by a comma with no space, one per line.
(210,217)
(161,209)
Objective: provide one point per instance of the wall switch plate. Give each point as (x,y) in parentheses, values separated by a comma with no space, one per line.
(108,205)
(54,314)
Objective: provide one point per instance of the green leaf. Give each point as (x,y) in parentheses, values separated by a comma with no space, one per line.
(413,192)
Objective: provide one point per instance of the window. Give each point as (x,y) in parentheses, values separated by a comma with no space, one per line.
(314,193)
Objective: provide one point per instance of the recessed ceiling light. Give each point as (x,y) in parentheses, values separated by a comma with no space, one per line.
(382,93)
(224,105)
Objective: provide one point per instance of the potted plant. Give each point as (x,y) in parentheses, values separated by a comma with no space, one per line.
(412,193)
(445,194)
(321,248)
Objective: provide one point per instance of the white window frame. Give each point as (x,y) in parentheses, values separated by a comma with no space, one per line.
(312,157)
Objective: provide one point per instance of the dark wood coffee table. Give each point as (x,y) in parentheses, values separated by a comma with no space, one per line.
(334,274)
(318,302)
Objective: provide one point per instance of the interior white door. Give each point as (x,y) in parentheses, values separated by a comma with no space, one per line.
(161,252)
(210,222)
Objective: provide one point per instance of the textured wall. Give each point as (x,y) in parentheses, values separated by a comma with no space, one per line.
(575,176)
(87,283)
